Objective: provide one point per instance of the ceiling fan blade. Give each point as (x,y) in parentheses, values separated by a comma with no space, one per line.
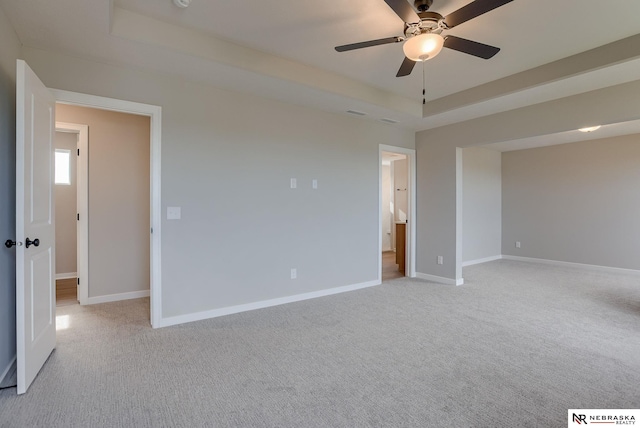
(473,9)
(470,47)
(406,68)
(403,9)
(361,45)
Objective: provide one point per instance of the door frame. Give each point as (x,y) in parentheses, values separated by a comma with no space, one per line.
(82,205)
(155,115)
(410,249)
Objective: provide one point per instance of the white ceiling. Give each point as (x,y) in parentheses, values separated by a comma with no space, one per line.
(284,49)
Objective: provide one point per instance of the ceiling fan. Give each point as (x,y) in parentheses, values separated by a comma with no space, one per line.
(422,32)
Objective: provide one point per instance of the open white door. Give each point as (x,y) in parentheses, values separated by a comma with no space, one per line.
(35,227)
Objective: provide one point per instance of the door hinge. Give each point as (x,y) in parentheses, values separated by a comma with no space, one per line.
(152,230)
(78,216)
(78,152)
(78,281)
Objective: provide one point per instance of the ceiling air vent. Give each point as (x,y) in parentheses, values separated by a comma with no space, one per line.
(357,113)
(182,3)
(384,119)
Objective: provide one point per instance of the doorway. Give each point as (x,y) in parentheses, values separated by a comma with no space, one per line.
(397,211)
(113,207)
(151,232)
(66,182)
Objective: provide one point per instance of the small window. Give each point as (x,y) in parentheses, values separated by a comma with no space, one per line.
(63,175)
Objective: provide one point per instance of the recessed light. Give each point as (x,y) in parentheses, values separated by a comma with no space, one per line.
(589,128)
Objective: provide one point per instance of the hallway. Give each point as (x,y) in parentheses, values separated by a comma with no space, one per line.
(389,266)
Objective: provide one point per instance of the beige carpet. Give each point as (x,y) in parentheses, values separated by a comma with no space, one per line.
(517,345)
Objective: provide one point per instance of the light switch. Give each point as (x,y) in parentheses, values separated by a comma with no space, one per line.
(294,183)
(173,213)
(314,183)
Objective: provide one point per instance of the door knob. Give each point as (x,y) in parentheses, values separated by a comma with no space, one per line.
(9,243)
(29,242)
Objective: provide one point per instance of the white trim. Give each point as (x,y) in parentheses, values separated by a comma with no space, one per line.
(155,114)
(82,206)
(67,275)
(440,279)
(20,283)
(380,216)
(198,316)
(117,297)
(459,217)
(8,369)
(597,268)
(484,260)
(410,266)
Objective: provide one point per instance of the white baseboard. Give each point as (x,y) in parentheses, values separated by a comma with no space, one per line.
(67,275)
(7,370)
(117,297)
(214,313)
(484,260)
(440,279)
(575,265)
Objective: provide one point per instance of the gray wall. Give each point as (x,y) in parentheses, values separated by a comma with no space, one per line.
(481,204)
(227,160)
(118,198)
(9,52)
(437,204)
(575,202)
(66,209)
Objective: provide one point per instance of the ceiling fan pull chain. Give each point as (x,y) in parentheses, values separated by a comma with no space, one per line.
(424,99)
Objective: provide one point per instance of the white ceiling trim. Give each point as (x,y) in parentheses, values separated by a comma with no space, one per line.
(614,54)
(608,65)
(289,57)
(574,136)
(551,120)
(140,28)
(574,85)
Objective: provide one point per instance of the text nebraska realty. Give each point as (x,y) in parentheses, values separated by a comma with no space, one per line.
(618,420)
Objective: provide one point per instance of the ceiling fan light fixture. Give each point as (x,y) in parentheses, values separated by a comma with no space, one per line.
(423,47)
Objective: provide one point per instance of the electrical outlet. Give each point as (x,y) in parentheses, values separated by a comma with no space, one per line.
(294,273)
(440,260)
(517,244)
